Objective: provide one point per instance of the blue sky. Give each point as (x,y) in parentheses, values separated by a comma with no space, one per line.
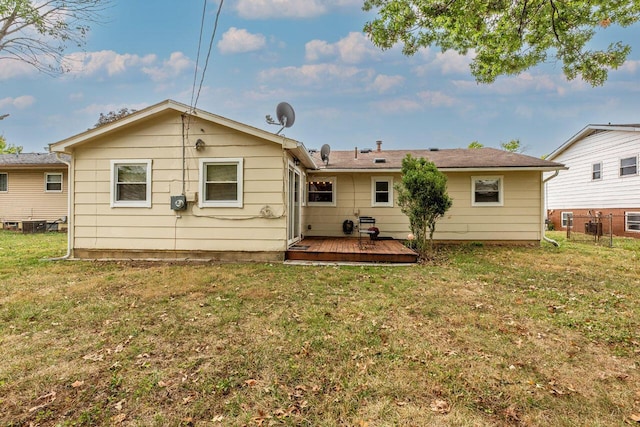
(313,55)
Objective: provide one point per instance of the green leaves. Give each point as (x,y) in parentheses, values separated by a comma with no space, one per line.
(508,37)
(422,196)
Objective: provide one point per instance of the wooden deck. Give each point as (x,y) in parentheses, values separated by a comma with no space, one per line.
(345,249)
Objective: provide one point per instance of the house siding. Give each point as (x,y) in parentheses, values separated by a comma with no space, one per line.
(574,188)
(98,227)
(26,198)
(519,219)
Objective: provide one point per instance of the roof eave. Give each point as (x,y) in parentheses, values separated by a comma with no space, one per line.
(66,145)
(586,131)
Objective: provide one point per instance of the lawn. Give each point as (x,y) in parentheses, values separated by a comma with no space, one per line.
(482,336)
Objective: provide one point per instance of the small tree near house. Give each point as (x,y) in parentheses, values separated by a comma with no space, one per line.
(422,196)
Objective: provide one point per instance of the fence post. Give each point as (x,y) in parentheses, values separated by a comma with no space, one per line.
(569,225)
(610,230)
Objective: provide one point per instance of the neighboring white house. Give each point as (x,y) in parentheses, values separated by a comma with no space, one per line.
(602,178)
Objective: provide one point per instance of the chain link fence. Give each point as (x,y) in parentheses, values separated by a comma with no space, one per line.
(596,229)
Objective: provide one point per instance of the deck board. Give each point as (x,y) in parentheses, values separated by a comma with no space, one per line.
(348,250)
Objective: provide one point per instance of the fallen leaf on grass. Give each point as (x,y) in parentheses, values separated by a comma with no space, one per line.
(118,406)
(251,382)
(94,357)
(77,384)
(51,396)
(119,418)
(635,417)
(440,406)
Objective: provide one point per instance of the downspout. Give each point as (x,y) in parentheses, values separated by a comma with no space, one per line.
(544,188)
(69,228)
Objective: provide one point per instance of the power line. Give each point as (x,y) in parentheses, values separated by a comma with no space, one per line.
(195,71)
(206,62)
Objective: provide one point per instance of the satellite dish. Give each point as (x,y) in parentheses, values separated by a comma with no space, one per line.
(285,114)
(324,153)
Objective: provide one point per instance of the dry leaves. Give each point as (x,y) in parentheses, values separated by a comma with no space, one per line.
(440,406)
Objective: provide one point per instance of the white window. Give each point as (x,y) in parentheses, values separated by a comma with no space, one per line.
(596,171)
(131,183)
(567,219)
(53,182)
(4,182)
(632,221)
(486,191)
(221,183)
(629,166)
(321,191)
(381,191)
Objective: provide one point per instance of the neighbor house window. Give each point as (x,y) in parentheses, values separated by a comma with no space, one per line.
(131,183)
(596,171)
(221,182)
(567,219)
(4,182)
(381,191)
(629,166)
(53,182)
(632,221)
(321,191)
(486,191)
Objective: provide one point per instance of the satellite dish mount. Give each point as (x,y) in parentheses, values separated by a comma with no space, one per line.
(285,115)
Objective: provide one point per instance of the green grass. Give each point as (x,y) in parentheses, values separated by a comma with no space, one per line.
(482,336)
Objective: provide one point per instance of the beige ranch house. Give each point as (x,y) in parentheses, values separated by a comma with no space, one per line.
(166,182)
(33,192)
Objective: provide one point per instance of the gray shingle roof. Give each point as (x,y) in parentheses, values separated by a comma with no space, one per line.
(457,158)
(31,159)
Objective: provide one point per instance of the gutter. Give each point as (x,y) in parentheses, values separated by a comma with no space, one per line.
(544,182)
(69,192)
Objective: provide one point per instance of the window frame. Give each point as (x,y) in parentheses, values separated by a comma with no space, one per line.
(476,178)
(635,165)
(114,178)
(334,190)
(202,182)
(564,219)
(626,222)
(389,181)
(599,171)
(6,182)
(46,182)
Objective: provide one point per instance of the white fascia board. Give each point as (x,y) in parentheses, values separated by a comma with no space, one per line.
(584,132)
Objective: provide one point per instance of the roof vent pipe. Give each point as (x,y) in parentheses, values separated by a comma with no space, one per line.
(379,144)
(356,154)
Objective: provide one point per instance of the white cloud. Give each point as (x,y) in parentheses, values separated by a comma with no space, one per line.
(240,41)
(317,49)
(397,106)
(451,62)
(383,83)
(20,102)
(311,74)
(92,63)
(436,99)
(630,66)
(353,49)
(78,96)
(172,67)
(12,68)
(263,9)
(522,83)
